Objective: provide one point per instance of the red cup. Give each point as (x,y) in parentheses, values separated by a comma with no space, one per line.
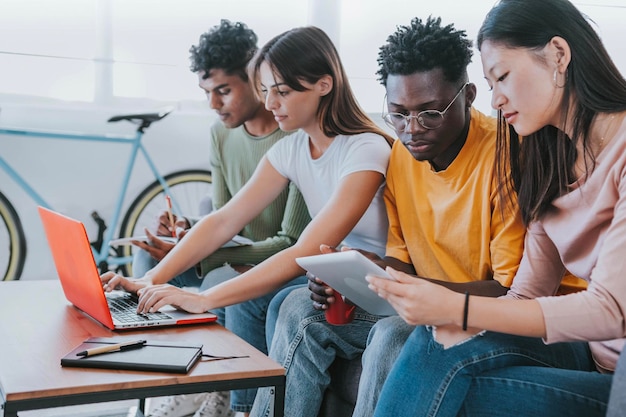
(340,312)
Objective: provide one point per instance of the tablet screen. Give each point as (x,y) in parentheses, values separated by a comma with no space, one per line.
(345,272)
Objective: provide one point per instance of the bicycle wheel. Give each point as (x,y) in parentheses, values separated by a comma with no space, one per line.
(12,242)
(188,189)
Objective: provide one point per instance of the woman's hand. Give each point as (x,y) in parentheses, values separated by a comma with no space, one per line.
(418,301)
(112,281)
(152,298)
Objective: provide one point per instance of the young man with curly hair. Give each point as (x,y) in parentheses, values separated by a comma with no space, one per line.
(238,141)
(446,222)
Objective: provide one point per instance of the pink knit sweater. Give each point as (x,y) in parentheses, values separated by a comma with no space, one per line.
(585,233)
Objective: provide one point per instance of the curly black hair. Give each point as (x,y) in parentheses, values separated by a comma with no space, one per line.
(423,47)
(227,46)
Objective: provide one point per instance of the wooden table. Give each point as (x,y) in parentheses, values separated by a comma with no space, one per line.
(38,326)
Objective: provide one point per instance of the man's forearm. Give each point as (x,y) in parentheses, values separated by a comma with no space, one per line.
(486,288)
(398,265)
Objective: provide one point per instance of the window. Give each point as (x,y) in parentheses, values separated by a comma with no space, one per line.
(135,49)
(47,48)
(105,51)
(151,40)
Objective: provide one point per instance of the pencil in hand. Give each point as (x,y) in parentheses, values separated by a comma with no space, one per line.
(168,202)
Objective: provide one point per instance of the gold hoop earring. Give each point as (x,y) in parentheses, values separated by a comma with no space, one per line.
(556,83)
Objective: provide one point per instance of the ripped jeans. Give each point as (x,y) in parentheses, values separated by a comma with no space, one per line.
(428,380)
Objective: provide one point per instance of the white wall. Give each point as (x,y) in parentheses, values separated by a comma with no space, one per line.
(77,178)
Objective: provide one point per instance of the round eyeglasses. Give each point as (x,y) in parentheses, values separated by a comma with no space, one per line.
(428,119)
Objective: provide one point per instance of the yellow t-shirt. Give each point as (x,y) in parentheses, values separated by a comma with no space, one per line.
(449,224)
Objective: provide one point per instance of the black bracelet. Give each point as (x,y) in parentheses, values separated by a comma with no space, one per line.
(466,310)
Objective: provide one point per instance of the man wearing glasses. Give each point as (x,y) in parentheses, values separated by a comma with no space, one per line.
(446,223)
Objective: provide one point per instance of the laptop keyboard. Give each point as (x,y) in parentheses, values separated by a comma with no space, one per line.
(124,309)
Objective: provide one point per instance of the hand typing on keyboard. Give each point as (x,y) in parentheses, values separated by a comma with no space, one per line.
(124,310)
(112,281)
(152,298)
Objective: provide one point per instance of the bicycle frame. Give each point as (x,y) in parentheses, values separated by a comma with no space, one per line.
(136,146)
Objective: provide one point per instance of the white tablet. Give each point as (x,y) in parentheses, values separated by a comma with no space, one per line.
(345,272)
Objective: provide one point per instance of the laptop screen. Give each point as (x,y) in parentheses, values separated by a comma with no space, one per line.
(75,264)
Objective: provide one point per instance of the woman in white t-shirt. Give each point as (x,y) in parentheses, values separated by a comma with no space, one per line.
(338,159)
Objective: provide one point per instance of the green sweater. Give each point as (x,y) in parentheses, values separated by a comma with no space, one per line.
(235,155)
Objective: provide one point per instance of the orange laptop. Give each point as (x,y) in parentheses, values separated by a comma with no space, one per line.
(81,284)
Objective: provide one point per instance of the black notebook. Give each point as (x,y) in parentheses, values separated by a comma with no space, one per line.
(159,356)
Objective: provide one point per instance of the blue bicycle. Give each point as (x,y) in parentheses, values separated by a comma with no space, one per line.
(187,190)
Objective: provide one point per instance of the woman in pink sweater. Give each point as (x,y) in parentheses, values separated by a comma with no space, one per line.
(530,352)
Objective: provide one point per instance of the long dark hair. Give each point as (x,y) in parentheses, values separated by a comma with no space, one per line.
(308,54)
(542,163)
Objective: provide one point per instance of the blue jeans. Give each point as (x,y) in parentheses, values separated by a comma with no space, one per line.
(246,320)
(384,344)
(545,392)
(428,380)
(617,400)
(306,345)
(143,262)
(274,308)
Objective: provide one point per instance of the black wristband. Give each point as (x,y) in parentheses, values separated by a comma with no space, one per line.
(466,310)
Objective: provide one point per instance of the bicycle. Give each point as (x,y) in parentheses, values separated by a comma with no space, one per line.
(186,188)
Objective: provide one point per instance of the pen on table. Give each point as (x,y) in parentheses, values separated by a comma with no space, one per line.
(168,202)
(135,344)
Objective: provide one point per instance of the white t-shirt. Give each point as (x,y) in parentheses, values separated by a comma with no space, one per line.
(318,179)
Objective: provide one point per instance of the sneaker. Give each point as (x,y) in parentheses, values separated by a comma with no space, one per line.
(217,404)
(178,405)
